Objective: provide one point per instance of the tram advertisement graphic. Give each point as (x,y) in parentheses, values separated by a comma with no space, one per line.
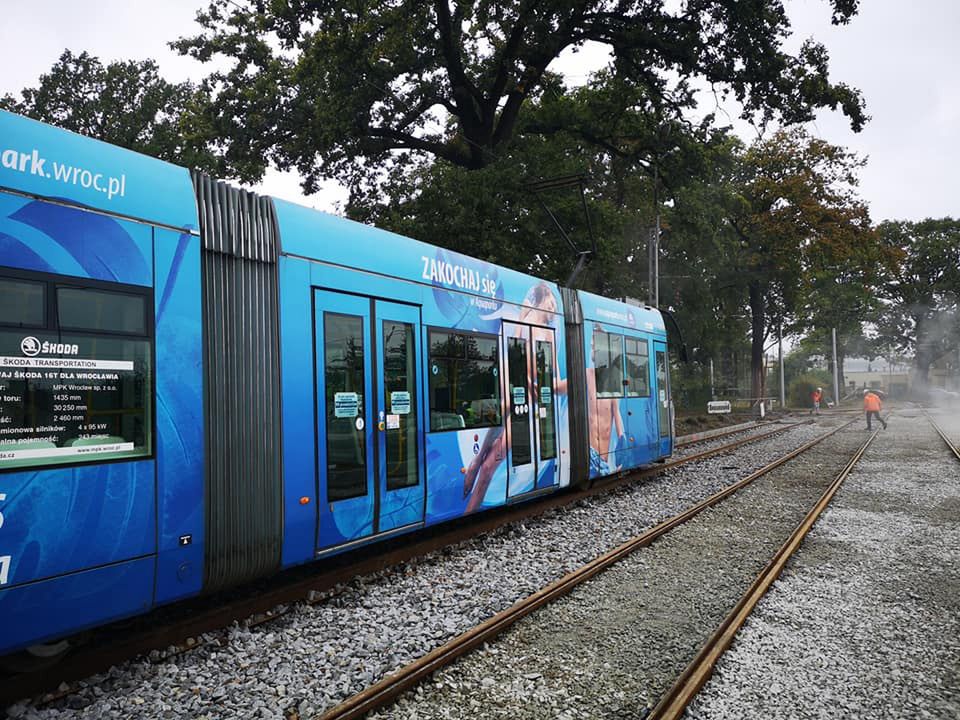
(70,409)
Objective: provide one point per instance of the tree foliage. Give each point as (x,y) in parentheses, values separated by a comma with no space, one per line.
(124,103)
(921,313)
(337,90)
(803,239)
(494,212)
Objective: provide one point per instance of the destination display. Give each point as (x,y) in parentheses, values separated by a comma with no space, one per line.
(74,409)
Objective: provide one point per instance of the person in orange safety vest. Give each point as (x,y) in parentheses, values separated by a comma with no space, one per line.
(873,406)
(816,396)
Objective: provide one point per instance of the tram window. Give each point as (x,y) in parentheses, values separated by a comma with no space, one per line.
(85,309)
(93,400)
(22,303)
(446,344)
(638,367)
(608,363)
(464,381)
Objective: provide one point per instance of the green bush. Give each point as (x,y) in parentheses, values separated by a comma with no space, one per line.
(800,387)
(691,389)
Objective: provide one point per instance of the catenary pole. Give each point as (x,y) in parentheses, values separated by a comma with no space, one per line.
(783,390)
(656,237)
(713,395)
(836,372)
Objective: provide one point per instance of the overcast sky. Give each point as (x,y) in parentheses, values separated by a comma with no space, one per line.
(904,57)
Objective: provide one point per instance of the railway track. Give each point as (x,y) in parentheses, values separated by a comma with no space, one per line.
(697,438)
(392,686)
(708,436)
(882,556)
(674,702)
(176,634)
(942,433)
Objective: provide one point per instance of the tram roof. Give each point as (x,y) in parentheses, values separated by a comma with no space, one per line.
(614,312)
(328,238)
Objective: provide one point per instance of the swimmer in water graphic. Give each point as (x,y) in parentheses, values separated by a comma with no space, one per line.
(604,376)
(539,308)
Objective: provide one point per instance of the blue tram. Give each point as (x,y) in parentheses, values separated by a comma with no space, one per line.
(200,386)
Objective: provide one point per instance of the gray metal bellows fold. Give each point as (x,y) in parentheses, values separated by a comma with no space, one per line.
(576,389)
(244,482)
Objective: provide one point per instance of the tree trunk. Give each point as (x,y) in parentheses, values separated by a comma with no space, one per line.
(758,317)
(840,358)
(923,356)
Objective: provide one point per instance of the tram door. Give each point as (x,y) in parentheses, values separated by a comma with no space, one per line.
(533,462)
(663,398)
(369,427)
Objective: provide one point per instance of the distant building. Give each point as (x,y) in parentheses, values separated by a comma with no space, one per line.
(891,378)
(945,374)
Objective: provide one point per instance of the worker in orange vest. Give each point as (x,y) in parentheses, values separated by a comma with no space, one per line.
(872,406)
(816,396)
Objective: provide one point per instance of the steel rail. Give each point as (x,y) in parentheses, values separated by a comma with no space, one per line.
(207,615)
(654,470)
(693,439)
(940,431)
(674,702)
(387,689)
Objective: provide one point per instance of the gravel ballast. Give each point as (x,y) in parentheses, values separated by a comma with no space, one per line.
(865,621)
(612,647)
(319,654)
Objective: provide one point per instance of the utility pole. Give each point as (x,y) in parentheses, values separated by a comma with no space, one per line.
(656,235)
(713,395)
(836,372)
(653,247)
(783,390)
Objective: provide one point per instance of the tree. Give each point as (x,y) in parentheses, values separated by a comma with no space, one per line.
(494,212)
(922,309)
(123,103)
(347,90)
(696,245)
(797,219)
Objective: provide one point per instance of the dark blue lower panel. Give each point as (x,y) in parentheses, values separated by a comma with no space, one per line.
(50,609)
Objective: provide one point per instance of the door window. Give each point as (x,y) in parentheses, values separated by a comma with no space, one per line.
(345,405)
(400,401)
(519,402)
(548,440)
(663,394)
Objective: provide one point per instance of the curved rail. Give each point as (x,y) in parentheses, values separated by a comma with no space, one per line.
(391,686)
(675,700)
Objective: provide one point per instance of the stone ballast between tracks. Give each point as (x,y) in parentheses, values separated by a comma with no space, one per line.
(319,654)
(615,644)
(868,610)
